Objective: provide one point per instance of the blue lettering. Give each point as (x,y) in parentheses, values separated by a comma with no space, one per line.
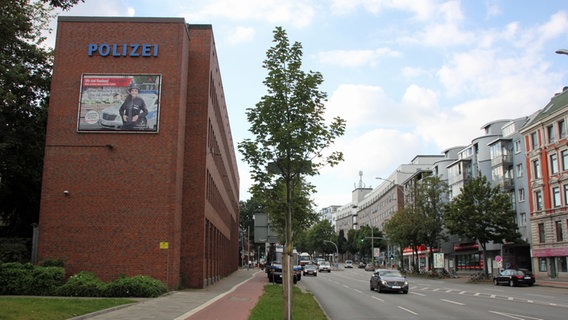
(146,50)
(104,50)
(115,53)
(123,50)
(92,49)
(134,51)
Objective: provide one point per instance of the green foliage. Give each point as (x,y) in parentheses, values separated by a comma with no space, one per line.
(53,263)
(25,76)
(15,278)
(46,280)
(137,286)
(482,213)
(27,279)
(82,284)
(15,250)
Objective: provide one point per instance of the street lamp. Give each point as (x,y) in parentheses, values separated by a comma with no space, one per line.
(336,249)
(561,51)
(379,178)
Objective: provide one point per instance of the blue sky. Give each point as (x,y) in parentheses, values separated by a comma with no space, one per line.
(411,77)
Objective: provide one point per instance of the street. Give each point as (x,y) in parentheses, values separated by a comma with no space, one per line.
(346,295)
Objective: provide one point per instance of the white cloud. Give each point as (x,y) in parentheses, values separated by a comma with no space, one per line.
(241,35)
(297,13)
(421,9)
(355,58)
(361,105)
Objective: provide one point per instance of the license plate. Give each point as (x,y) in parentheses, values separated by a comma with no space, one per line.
(396,287)
(527,278)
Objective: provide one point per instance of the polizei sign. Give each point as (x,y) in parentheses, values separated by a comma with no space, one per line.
(123,50)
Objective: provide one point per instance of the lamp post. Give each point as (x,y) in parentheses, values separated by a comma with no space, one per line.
(561,51)
(336,249)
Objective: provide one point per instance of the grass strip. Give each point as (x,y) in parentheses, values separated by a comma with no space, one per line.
(271,305)
(24,308)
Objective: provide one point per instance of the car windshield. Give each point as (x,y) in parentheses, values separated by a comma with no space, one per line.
(389,273)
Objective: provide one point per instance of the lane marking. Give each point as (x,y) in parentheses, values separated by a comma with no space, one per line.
(407,310)
(454,302)
(514,316)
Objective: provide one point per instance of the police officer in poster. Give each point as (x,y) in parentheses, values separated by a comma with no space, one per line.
(133,111)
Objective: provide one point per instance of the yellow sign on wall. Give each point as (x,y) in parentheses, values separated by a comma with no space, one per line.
(164,245)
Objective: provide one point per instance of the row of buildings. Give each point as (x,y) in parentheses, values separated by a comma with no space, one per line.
(527,157)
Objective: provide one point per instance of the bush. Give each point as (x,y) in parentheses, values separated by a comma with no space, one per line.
(46,280)
(82,284)
(53,263)
(137,286)
(15,278)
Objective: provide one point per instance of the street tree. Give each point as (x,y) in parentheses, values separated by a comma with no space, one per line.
(429,203)
(403,230)
(25,76)
(482,213)
(291,136)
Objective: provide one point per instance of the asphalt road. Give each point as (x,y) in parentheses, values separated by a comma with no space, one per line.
(346,295)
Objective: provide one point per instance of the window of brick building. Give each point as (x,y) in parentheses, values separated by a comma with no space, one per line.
(541,233)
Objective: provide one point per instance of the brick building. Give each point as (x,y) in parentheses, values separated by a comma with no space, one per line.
(140,173)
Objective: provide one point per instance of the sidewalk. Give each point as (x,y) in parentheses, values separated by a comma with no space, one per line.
(230,298)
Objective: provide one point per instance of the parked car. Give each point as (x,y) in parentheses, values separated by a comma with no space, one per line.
(348,264)
(370,267)
(362,265)
(514,277)
(324,266)
(388,280)
(311,269)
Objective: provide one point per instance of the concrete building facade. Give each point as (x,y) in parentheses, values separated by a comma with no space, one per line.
(140,173)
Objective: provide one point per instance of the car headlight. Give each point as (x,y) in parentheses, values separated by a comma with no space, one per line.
(383,282)
(405,283)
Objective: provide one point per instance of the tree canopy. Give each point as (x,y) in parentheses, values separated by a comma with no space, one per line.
(482,213)
(25,76)
(290,137)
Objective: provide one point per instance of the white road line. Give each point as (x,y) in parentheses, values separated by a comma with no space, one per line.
(454,302)
(514,316)
(418,294)
(407,310)
(381,300)
(358,291)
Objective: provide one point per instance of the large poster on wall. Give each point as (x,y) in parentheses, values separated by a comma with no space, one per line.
(120,103)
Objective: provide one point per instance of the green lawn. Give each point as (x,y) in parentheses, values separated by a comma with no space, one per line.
(24,308)
(271,305)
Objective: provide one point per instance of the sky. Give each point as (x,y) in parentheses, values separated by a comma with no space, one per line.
(410,77)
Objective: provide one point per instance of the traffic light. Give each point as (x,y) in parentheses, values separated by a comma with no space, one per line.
(362,239)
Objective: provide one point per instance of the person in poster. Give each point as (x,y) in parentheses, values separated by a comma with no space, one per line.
(133,111)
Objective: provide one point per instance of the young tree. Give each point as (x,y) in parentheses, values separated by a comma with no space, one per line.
(483,214)
(25,76)
(290,135)
(403,230)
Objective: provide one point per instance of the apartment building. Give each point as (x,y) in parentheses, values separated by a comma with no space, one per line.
(546,143)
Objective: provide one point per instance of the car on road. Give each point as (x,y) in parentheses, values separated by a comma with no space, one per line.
(324,266)
(310,269)
(388,280)
(362,265)
(348,264)
(369,267)
(514,277)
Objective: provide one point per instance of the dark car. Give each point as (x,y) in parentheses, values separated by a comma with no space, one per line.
(388,280)
(514,277)
(311,269)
